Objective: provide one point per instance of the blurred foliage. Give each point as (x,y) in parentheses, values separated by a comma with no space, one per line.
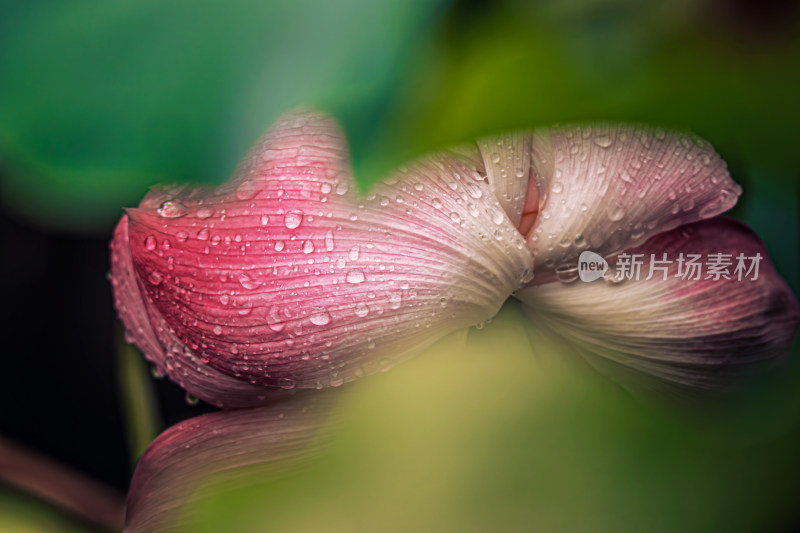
(22,514)
(100,100)
(680,64)
(509,432)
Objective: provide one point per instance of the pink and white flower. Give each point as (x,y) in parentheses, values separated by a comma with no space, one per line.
(286,277)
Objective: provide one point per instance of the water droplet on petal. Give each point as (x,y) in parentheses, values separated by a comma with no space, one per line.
(354,253)
(246,190)
(329,244)
(355,276)
(150,243)
(726,199)
(274,320)
(286,383)
(567,273)
(395,299)
(603,141)
(203,234)
(320,316)
(292,219)
(617,213)
(155,278)
(497,216)
(217,330)
(474,191)
(264,220)
(171,209)
(279,246)
(308,247)
(361,310)
(557,187)
(205,212)
(248,282)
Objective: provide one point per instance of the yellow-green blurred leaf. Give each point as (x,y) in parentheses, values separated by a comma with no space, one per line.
(509,432)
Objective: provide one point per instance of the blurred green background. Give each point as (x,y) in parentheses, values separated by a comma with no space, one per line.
(470,437)
(100,100)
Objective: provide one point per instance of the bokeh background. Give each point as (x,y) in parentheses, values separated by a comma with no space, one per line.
(100,100)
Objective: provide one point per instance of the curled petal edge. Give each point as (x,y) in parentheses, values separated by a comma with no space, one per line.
(693,335)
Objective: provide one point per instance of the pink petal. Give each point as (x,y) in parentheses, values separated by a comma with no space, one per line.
(286,277)
(220,447)
(608,187)
(698,334)
(145,326)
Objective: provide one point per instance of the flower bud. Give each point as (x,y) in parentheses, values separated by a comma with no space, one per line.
(287,277)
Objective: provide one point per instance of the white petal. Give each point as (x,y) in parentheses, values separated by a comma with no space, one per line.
(698,334)
(605,187)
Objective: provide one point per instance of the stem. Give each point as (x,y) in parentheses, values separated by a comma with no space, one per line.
(137,395)
(61,486)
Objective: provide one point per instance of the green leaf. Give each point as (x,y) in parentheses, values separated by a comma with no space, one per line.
(100,100)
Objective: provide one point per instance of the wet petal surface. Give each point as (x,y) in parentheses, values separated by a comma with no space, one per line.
(606,187)
(694,333)
(287,277)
